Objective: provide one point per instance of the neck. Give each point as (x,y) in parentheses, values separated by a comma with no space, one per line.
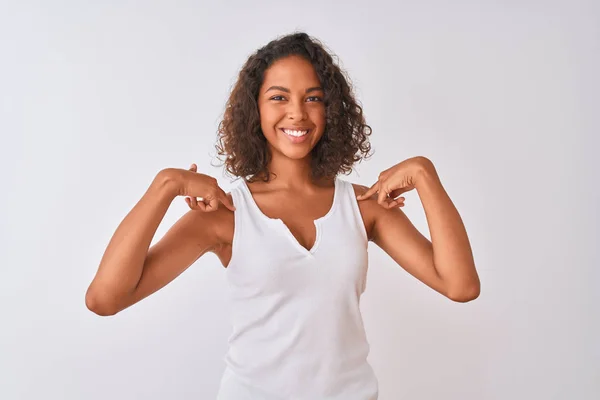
(291,174)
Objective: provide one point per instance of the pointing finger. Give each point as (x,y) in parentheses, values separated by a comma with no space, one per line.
(225,200)
(369,192)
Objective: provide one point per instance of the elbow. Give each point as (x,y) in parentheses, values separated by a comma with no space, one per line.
(465,295)
(98,306)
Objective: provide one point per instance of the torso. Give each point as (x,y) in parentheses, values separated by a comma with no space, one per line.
(293,211)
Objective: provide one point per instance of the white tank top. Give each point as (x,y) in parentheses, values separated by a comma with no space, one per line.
(297,327)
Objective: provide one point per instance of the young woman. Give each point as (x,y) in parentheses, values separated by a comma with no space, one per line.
(292,234)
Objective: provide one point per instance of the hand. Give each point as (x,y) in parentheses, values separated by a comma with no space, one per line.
(394,181)
(202,191)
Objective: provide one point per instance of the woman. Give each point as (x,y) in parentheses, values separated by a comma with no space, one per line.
(292,235)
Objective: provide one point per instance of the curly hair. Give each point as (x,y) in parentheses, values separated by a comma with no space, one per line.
(240,138)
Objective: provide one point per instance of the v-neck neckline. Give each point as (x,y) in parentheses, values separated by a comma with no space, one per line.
(317,222)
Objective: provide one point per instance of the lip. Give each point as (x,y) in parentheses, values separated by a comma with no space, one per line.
(295,139)
(297,128)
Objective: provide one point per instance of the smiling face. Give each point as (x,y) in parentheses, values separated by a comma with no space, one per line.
(290,103)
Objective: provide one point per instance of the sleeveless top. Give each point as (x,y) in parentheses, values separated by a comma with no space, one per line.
(297,328)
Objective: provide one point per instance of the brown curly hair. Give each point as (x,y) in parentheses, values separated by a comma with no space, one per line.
(240,138)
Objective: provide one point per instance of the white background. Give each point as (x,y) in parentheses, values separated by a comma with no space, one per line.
(97,97)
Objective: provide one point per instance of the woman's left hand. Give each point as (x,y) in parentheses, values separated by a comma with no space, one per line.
(396,180)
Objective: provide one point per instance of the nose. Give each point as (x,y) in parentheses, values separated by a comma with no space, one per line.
(296,111)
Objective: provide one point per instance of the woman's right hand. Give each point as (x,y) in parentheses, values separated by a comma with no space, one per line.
(202,191)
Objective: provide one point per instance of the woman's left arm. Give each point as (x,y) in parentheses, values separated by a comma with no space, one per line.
(446,263)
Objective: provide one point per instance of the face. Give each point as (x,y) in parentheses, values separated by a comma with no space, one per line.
(290,102)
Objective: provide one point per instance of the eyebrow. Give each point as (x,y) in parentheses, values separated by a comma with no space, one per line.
(284,89)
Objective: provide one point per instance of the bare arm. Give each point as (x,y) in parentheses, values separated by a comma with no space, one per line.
(451,249)
(395,234)
(446,262)
(129,271)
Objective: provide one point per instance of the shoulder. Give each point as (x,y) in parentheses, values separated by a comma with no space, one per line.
(224,221)
(369,209)
(217,224)
(358,189)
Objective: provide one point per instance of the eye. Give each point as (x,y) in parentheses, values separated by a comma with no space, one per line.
(316,98)
(276,97)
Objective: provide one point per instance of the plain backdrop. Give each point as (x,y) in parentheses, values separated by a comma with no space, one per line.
(97,97)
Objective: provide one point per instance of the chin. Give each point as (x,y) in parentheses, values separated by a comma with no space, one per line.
(294,153)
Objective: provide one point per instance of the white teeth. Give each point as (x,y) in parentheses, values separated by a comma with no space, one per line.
(295,133)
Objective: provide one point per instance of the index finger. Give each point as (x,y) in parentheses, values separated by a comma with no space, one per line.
(225,200)
(369,193)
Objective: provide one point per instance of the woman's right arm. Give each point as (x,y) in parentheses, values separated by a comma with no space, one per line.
(128,271)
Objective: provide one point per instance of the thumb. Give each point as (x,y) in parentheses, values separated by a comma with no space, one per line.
(194,168)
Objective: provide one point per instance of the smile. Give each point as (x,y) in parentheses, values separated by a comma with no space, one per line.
(296,136)
(294,132)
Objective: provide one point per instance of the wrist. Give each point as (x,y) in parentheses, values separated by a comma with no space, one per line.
(425,172)
(167,180)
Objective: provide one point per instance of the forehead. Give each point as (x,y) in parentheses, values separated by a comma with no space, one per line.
(292,71)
